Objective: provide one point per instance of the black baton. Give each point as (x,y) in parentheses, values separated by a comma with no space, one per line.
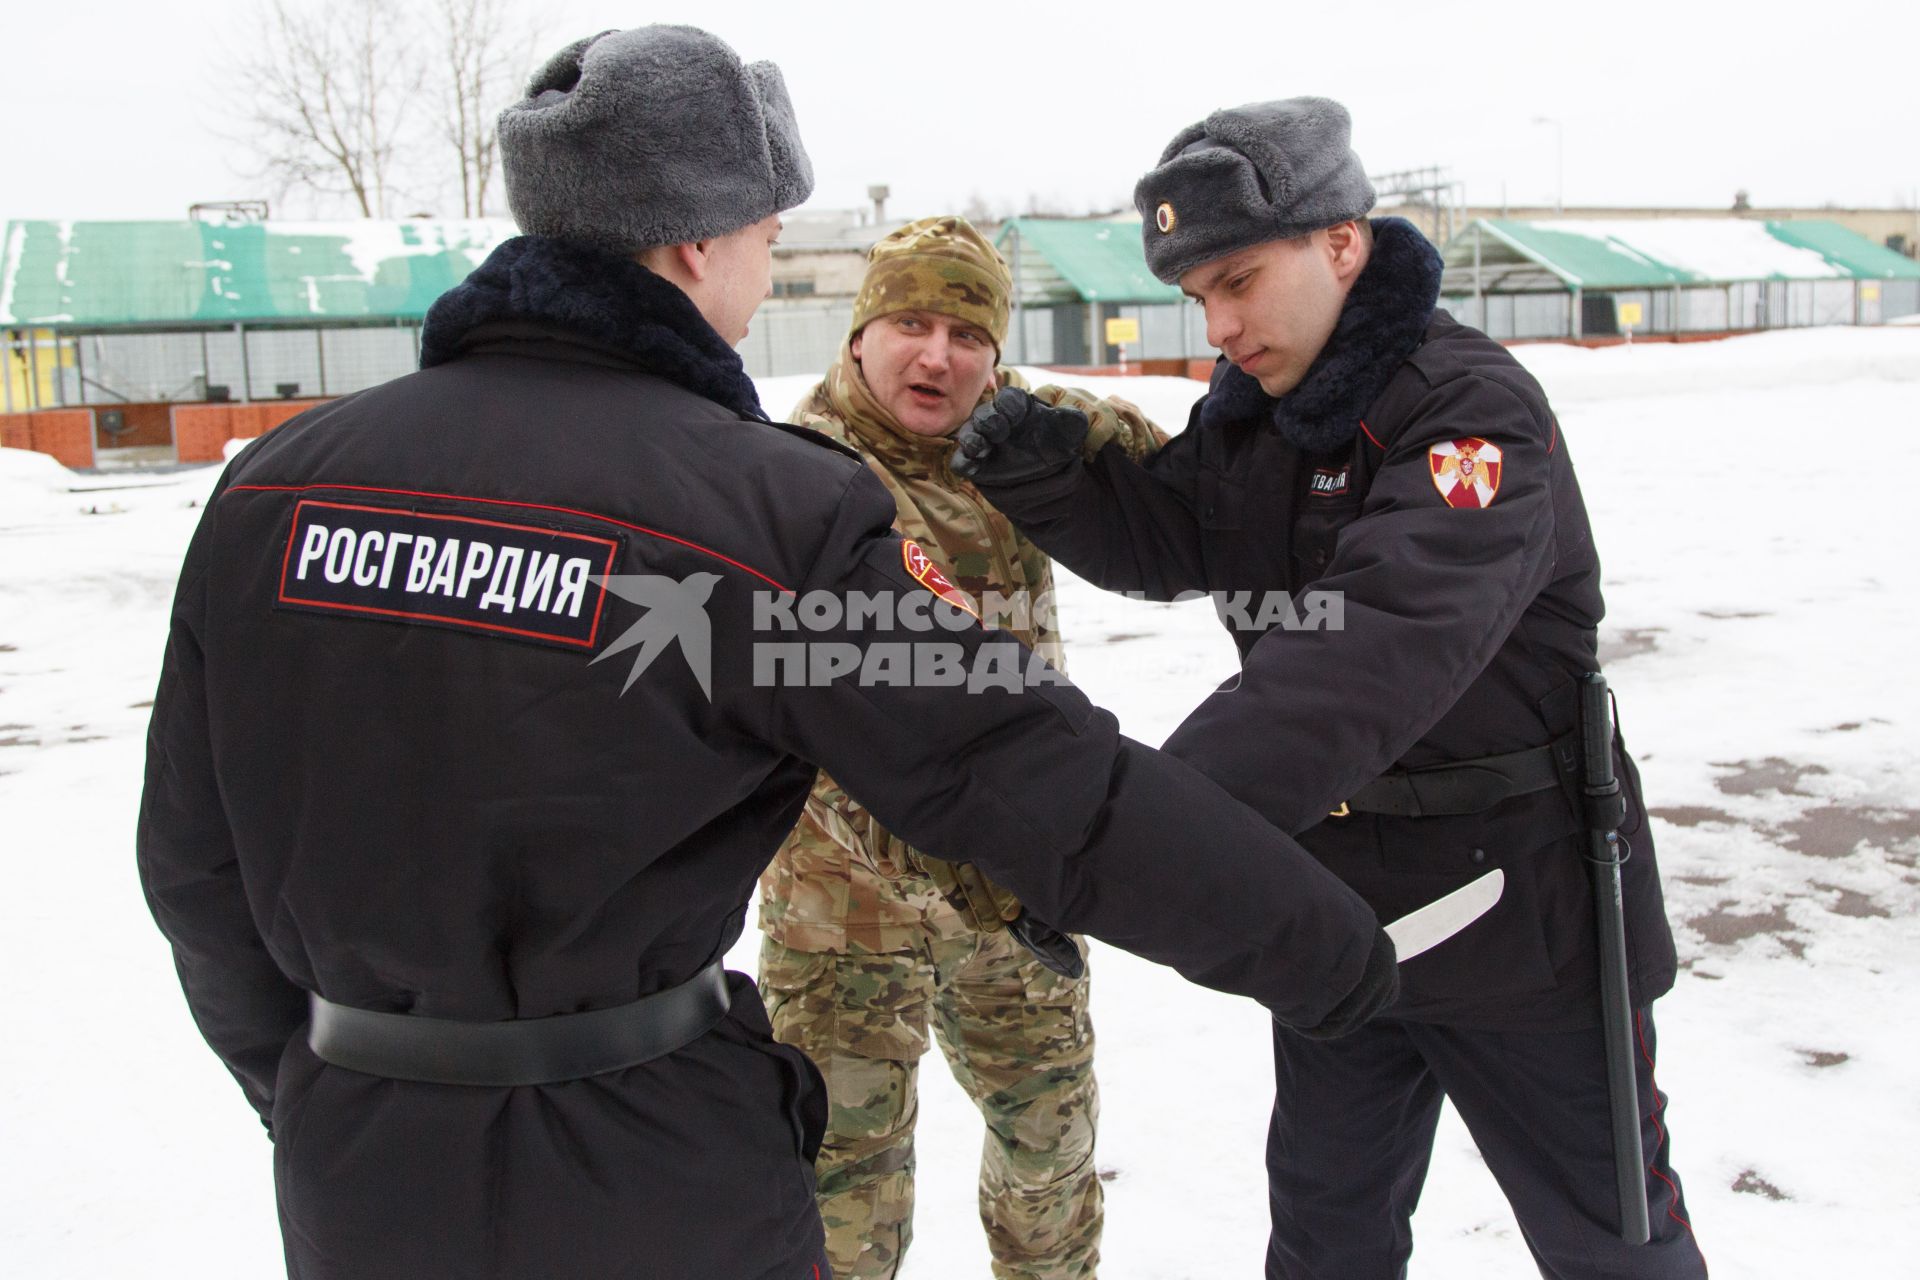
(1605,809)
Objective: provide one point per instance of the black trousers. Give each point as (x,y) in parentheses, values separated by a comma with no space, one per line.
(1353,1127)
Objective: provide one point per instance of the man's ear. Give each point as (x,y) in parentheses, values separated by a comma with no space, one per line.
(1347,249)
(854,346)
(695,258)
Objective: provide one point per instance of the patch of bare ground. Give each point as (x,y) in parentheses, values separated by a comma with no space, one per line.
(1751,777)
(1725,926)
(1693,815)
(1849,902)
(1834,831)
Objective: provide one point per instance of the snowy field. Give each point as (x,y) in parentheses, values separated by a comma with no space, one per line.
(1754,504)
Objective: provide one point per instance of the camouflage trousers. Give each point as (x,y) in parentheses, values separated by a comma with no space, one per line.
(1019,1041)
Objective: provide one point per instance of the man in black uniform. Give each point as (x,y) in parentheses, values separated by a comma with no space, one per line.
(1357,441)
(448,895)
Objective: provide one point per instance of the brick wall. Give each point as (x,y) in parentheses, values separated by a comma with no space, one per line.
(65,434)
(201,431)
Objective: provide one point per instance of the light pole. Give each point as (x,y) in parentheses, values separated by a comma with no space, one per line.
(1559,163)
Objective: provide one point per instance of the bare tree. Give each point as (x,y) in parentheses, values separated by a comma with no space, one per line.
(328,88)
(482,49)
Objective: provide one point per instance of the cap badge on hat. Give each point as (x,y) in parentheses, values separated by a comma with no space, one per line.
(1163,218)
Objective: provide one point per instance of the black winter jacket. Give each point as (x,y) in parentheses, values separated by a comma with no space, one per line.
(1465,622)
(394,772)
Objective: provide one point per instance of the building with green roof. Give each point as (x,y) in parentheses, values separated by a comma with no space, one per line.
(1604,278)
(131,312)
(1071,275)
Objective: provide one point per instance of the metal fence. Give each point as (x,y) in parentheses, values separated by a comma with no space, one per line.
(805,337)
(1719,308)
(230,364)
(275,364)
(795,337)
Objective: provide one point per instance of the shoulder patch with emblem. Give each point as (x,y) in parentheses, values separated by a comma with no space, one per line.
(1466,472)
(925,572)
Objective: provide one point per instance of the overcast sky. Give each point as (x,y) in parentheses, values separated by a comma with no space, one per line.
(117,109)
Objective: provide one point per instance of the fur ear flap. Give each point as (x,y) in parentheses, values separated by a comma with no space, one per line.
(562,71)
(1296,151)
(793,171)
(1182,140)
(1272,165)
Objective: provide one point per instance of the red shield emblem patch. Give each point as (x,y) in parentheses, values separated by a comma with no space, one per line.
(1466,472)
(928,575)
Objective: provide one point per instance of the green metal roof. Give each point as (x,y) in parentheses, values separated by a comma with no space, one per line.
(1654,253)
(1082,261)
(1587,260)
(1858,256)
(133,275)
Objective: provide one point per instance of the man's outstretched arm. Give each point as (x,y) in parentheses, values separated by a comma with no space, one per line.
(1094,832)
(1121,524)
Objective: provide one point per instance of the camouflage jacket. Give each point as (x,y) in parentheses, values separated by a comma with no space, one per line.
(841,882)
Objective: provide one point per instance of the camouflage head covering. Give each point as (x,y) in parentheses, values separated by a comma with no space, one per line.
(941,265)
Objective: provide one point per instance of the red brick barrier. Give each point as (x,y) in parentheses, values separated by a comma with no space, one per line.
(64,434)
(201,431)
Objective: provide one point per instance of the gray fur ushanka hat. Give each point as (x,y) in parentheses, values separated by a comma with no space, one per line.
(652,136)
(1246,175)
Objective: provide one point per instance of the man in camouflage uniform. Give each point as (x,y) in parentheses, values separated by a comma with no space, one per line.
(869,942)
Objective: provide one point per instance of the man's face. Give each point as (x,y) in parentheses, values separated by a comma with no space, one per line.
(926,369)
(1270,309)
(740,276)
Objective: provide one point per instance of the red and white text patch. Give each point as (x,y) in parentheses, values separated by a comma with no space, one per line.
(518,581)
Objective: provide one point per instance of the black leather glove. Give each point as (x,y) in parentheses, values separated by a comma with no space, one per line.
(1016,438)
(1050,947)
(1376,989)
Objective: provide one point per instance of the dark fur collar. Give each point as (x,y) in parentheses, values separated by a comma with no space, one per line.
(1385,315)
(609,300)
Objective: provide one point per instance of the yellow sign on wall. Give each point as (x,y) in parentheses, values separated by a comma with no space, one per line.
(1629,314)
(1120,332)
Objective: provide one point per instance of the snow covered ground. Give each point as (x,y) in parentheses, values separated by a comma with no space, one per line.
(1753,500)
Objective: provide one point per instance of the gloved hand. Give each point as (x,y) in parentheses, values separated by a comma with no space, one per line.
(1378,985)
(1017,438)
(1050,947)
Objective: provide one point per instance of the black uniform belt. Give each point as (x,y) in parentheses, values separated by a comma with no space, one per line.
(1468,786)
(566,1046)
